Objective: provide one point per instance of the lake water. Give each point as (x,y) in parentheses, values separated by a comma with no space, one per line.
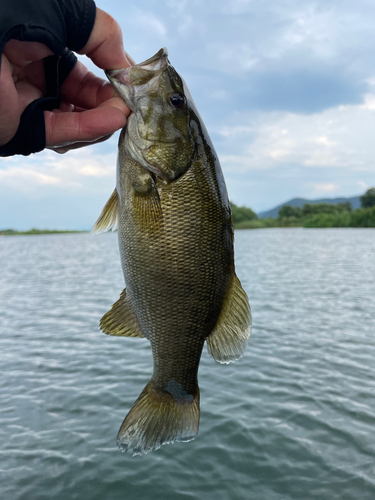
(293,419)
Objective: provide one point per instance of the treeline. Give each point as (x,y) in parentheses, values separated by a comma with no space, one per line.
(245,218)
(329,215)
(12,232)
(326,215)
(242,215)
(312,215)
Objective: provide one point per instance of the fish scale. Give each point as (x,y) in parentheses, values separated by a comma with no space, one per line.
(176,248)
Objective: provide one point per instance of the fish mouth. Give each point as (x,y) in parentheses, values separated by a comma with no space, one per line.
(154,63)
(162,53)
(140,78)
(132,84)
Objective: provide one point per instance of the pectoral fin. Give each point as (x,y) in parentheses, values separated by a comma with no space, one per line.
(227,341)
(120,319)
(108,217)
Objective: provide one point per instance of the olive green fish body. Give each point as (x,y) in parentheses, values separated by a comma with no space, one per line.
(177,256)
(176,248)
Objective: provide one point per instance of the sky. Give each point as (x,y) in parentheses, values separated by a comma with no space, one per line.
(286,89)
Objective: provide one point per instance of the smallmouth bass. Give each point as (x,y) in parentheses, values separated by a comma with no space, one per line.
(175,234)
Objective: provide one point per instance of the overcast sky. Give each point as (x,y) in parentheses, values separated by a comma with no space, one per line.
(286,89)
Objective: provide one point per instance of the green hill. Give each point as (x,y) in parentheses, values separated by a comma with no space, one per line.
(300,202)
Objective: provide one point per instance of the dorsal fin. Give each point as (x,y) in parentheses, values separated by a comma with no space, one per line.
(109,215)
(227,341)
(120,319)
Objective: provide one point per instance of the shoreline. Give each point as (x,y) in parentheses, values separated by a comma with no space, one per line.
(30,232)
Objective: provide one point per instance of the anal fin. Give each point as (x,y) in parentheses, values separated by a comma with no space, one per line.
(227,341)
(109,215)
(120,320)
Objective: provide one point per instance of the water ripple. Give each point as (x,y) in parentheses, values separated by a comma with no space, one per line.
(293,419)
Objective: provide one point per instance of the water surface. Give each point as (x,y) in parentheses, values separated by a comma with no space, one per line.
(293,419)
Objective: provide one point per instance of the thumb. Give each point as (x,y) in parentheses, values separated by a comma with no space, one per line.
(105,46)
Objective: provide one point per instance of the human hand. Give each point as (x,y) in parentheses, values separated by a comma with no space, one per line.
(90,110)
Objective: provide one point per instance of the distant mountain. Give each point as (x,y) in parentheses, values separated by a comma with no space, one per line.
(299,202)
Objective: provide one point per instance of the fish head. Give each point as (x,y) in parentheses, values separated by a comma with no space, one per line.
(160,132)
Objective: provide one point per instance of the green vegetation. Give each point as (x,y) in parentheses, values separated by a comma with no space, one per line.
(241,214)
(321,215)
(256,224)
(12,232)
(368,199)
(312,215)
(363,217)
(288,211)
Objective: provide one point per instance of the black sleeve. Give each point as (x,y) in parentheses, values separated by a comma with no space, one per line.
(62,25)
(59,24)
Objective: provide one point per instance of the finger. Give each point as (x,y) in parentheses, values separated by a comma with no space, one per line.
(84,89)
(114,102)
(33,74)
(9,113)
(71,127)
(27,93)
(77,145)
(105,46)
(14,98)
(20,54)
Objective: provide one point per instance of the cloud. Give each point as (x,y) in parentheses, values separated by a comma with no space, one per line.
(304,89)
(286,88)
(151,23)
(79,170)
(340,137)
(96,171)
(326,188)
(278,55)
(363,185)
(20,177)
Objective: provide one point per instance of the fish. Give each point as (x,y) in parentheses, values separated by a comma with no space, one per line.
(175,235)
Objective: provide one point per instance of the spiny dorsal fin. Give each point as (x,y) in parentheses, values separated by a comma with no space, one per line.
(120,319)
(227,341)
(108,217)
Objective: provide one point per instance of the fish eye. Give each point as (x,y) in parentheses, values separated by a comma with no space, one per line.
(177,100)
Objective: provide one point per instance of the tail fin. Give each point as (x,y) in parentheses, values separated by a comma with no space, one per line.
(158,418)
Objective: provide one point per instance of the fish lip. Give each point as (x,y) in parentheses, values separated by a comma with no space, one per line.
(122,81)
(112,73)
(161,58)
(163,52)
